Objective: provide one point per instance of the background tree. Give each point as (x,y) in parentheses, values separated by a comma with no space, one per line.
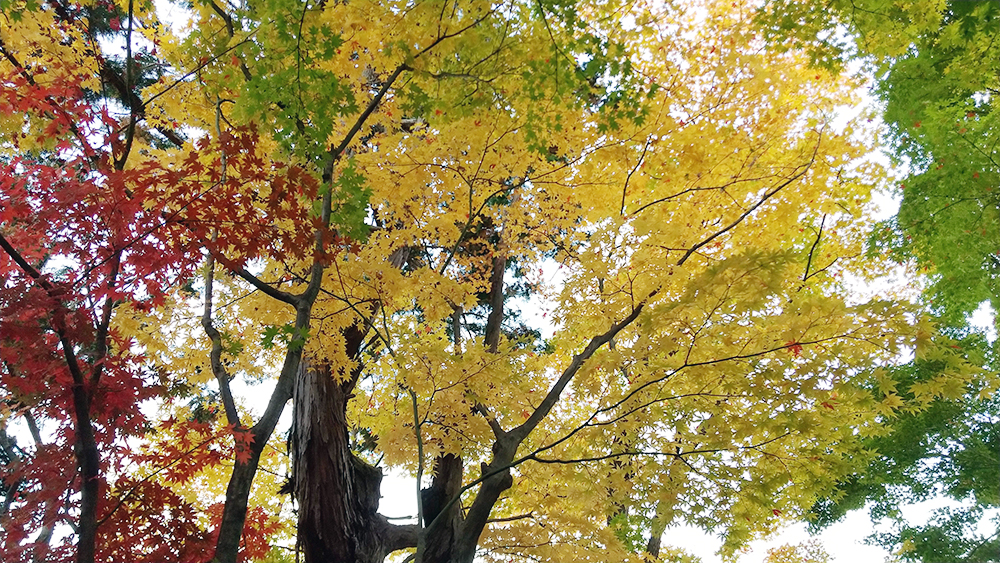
(806,552)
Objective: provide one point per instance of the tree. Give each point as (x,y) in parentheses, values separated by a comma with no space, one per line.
(360,203)
(806,552)
(944,128)
(938,77)
(947,449)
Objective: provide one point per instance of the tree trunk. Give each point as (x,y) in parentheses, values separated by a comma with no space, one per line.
(439,546)
(657,527)
(337,493)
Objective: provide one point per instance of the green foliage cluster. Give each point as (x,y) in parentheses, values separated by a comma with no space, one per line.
(949,449)
(939,103)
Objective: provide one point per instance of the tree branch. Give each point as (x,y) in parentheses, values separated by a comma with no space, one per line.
(521,432)
(491,419)
(802,170)
(421,537)
(25,266)
(495,476)
(645,148)
(511,518)
(259,284)
(398,536)
(338,151)
(104,325)
(48,98)
(215,356)
(805,276)
(129,86)
(494,321)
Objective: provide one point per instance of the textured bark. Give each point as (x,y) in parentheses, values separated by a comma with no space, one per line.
(337,493)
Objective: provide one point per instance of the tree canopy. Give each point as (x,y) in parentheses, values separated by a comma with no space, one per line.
(938,74)
(578,268)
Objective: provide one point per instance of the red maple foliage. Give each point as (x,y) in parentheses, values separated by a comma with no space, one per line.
(82,235)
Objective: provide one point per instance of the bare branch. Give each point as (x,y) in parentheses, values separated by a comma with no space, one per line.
(521,432)
(806,276)
(259,284)
(215,356)
(491,419)
(129,87)
(511,518)
(202,64)
(338,151)
(638,163)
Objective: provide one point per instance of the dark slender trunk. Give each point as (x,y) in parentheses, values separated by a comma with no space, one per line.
(439,547)
(238,492)
(461,535)
(87,456)
(657,528)
(489,493)
(495,320)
